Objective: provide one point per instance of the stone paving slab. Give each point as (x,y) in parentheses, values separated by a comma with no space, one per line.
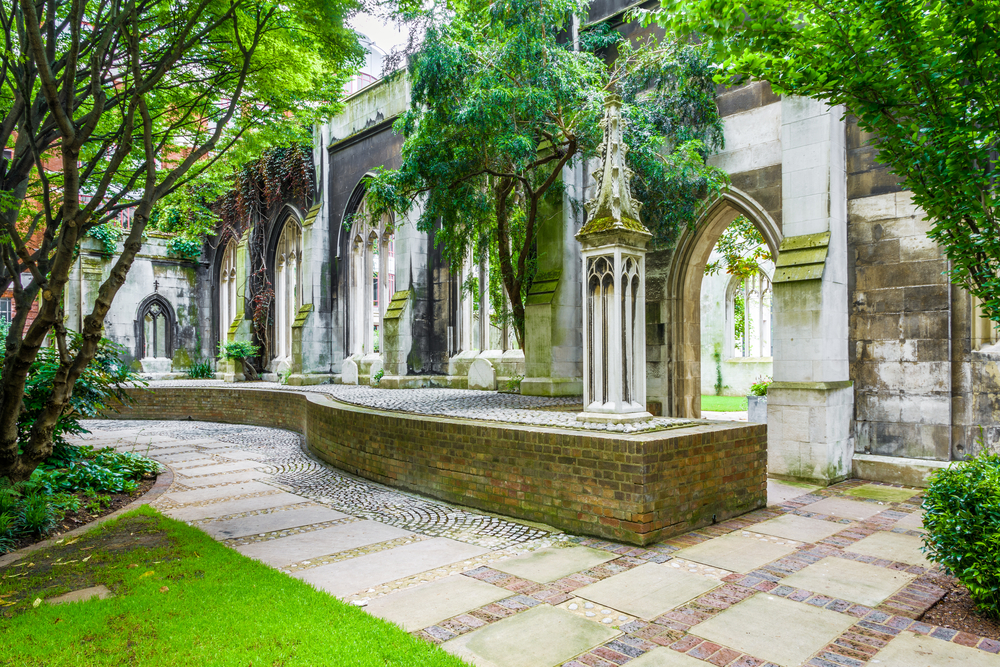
(264,523)
(849,580)
(648,590)
(100,592)
(350,576)
(892,546)
(221,468)
(540,637)
(913,521)
(429,604)
(213,480)
(913,650)
(295,548)
(218,492)
(775,629)
(666,657)
(855,510)
(233,506)
(779,492)
(882,492)
(237,455)
(202,461)
(735,553)
(171,458)
(799,528)
(547,565)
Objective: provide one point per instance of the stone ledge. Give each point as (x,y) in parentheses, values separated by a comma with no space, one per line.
(896,469)
(636,488)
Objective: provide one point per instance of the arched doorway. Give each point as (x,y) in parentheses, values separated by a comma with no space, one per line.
(371,279)
(228,293)
(683,294)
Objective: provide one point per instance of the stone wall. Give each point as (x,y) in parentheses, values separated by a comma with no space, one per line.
(633,488)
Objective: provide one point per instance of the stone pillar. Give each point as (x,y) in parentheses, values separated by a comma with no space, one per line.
(614,311)
(810,404)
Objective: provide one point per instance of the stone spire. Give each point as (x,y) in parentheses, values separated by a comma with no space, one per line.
(613,206)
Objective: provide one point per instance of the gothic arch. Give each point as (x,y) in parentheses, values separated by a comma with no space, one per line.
(683,293)
(228,302)
(155,324)
(284,269)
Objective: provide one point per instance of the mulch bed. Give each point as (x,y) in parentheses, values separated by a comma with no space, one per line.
(957,612)
(73,520)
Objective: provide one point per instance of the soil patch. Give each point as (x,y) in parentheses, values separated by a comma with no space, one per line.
(108,503)
(956,611)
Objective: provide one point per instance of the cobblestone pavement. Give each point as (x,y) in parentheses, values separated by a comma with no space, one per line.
(557,411)
(820,578)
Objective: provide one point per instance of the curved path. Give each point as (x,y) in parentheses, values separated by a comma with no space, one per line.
(833,577)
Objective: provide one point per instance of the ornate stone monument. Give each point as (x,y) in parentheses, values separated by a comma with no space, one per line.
(614,288)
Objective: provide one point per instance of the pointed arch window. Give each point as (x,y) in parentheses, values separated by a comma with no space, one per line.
(372,279)
(155,329)
(287,288)
(227,291)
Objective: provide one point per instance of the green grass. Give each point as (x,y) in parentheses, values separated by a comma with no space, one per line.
(187,600)
(724,403)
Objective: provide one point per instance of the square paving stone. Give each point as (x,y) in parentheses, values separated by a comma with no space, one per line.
(218,492)
(892,546)
(779,492)
(845,509)
(887,494)
(303,546)
(540,637)
(666,657)
(775,629)
(234,506)
(849,580)
(429,604)
(799,528)
(358,574)
(549,564)
(913,521)
(735,553)
(212,480)
(265,523)
(648,590)
(911,650)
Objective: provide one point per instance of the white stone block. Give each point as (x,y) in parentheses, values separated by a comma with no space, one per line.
(349,372)
(373,370)
(482,376)
(156,364)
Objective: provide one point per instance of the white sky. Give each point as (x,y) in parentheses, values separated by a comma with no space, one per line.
(385,35)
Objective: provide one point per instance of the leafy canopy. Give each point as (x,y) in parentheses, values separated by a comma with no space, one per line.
(502,101)
(924,77)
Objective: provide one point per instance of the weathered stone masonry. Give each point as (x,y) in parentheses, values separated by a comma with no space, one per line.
(633,488)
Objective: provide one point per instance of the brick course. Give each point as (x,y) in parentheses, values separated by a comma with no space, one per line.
(635,488)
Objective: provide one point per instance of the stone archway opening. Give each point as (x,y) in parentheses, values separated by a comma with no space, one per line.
(683,295)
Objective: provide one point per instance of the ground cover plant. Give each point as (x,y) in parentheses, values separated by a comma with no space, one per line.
(723,403)
(182,599)
(962,519)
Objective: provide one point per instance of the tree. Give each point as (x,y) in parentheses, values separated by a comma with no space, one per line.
(741,249)
(503,99)
(923,77)
(108,105)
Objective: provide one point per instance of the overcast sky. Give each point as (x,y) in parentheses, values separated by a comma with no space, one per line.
(385,35)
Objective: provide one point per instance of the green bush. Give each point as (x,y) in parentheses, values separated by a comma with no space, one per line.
(238,349)
(200,370)
(8,531)
(37,515)
(962,520)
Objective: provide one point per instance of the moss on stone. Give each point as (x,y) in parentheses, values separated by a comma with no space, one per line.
(886,494)
(608,223)
(182,359)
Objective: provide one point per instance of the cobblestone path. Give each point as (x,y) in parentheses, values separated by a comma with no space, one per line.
(820,578)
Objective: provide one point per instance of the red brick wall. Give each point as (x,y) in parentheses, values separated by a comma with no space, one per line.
(632,488)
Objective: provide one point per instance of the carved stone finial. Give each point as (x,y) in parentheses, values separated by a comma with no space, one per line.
(613,206)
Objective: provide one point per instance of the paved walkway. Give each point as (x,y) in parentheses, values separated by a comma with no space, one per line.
(832,578)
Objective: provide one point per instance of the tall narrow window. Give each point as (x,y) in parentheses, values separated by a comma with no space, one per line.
(227,291)
(6,309)
(155,329)
(287,288)
(372,280)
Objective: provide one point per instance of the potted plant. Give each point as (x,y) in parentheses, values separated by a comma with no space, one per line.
(757,400)
(233,356)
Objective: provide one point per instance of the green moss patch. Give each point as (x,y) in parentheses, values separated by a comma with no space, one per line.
(724,403)
(182,599)
(886,494)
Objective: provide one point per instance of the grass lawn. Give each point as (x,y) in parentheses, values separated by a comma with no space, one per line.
(724,403)
(182,599)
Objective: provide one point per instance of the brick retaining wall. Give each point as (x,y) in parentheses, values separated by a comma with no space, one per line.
(631,488)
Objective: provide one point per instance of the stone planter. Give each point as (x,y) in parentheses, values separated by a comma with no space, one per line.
(232,370)
(757,409)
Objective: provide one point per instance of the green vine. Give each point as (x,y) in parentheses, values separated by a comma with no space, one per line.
(108,235)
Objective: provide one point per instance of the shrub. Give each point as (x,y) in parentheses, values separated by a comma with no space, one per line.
(238,349)
(8,531)
(36,514)
(760,386)
(201,370)
(105,470)
(962,519)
